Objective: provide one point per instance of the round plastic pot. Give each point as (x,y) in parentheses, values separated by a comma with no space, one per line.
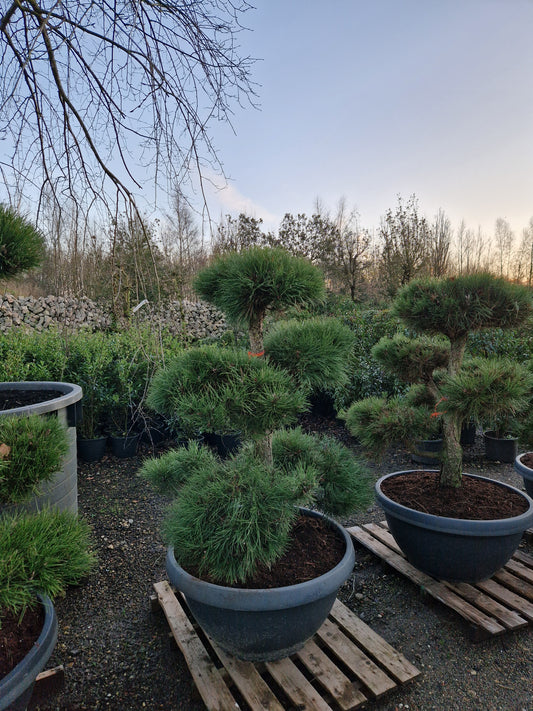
(125,447)
(16,688)
(500,449)
(457,550)
(266,624)
(93,449)
(526,473)
(227,443)
(61,492)
(427,451)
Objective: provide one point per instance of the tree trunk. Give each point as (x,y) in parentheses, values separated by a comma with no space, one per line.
(452,456)
(263,449)
(255,333)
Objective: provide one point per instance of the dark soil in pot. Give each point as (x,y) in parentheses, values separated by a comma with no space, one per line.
(10,399)
(474,500)
(527,459)
(18,636)
(314,549)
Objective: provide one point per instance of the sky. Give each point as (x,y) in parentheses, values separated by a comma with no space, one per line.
(374,99)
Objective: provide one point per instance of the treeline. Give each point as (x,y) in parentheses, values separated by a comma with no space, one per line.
(134,259)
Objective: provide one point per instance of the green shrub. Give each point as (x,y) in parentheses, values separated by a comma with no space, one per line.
(33,450)
(21,244)
(209,388)
(315,352)
(32,356)
(41,552)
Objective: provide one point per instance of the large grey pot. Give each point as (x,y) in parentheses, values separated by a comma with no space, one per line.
(526,473)
(16,688)
(453,549)
(267,624)
(62,491)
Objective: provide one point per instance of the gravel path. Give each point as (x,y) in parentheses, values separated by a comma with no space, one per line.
(118,655)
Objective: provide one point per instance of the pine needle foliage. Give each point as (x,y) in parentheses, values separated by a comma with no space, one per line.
(211,388)
(228,520)
(341,483)
(43,552)
(35,446)
(487,388)
(257,280)
(21,244)
(380,422)
(169,472)
(316,352)
(461,305)
(413,360)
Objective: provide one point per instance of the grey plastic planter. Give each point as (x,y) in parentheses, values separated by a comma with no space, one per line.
(62,491)
(526,473)
(268,624)
(452,549)
(16,688)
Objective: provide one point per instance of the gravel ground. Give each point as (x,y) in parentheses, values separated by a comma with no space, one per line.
(118,654)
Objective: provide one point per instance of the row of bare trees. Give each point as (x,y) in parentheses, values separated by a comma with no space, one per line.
(132,258)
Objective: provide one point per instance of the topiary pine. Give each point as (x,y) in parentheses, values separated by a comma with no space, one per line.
(247,284)
(453,308)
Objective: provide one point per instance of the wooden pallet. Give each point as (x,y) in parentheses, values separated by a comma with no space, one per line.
(492,607)
(342,667)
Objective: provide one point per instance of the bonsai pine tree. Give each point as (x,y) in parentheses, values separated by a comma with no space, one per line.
(21,245)
(248,284)
(231,516)
(460,389)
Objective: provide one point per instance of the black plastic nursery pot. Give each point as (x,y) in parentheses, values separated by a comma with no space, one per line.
(64,401)
(16,688)
(91,449)
(266,624)
(457,550)
(500,449)
(126,446)
(525,472)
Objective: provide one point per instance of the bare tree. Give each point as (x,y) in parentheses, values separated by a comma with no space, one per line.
(504,237)
(439,245)
(405,236)
(352,247)
(90,90)
(524,257)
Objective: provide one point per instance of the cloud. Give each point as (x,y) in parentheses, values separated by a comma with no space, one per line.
(227,198)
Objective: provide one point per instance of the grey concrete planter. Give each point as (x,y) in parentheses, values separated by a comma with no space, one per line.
(267,624)
(16,688)
(526,473)
(62,491)
(457,550)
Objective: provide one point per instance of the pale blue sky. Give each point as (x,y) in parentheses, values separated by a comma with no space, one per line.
(376,98)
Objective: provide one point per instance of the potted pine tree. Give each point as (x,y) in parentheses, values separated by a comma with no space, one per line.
(235,522)
(440,519)
(40,555)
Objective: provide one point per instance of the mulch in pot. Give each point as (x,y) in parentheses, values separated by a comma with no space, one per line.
(17,637)
(9,399)
(475,500)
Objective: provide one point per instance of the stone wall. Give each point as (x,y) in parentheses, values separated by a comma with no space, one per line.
(196,319)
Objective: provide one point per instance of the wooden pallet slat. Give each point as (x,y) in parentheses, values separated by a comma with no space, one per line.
(209,683)
(295,685)
(395,663)
(330,673)
(492,607)
(433,587)
(330,677)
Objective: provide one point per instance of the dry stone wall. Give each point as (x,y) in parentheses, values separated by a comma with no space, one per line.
(196,319)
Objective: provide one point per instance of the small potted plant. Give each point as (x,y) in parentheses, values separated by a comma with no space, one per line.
(500,439)
(234,520)
(40,555)
(450,533)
